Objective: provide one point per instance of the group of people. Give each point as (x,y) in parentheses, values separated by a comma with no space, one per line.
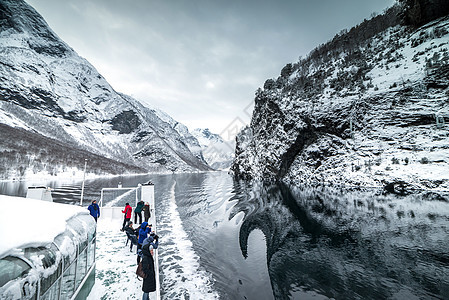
(145,239)
(142,236)
(140,207)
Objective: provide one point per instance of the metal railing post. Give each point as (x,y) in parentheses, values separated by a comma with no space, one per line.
(84,178)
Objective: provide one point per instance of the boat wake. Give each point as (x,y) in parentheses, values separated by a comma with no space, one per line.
(181,274)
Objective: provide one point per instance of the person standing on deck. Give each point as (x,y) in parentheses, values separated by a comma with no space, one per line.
(146,211)
(149,283)
(152,239)
(138,212)
(94,210)
(145,229)
(127,211)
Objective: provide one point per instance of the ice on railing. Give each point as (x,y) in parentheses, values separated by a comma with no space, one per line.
(13,290)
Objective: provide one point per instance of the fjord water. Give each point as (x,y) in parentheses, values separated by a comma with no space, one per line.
(227,239)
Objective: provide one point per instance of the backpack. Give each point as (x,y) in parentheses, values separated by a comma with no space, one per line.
(140,272)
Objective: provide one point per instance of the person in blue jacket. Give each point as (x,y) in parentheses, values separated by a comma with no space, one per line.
(143,234)
(94,210)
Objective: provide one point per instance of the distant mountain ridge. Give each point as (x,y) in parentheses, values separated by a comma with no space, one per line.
(205,137)
(218,153)
(368,108)
(52,93)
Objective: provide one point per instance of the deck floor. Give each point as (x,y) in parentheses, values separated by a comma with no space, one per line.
(115,276)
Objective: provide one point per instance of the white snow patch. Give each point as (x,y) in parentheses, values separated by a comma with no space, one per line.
(34,221)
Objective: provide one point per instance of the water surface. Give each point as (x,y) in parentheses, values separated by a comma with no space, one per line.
(227,239)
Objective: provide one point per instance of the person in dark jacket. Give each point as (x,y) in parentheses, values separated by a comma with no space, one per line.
(146,211)
(130,229)
(94,210)
(127,211)
(149,283)
(138,212)
(132,235)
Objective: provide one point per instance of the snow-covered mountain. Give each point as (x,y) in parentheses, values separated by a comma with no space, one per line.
(189,139)
(368,108)
(218,153)
(63,110)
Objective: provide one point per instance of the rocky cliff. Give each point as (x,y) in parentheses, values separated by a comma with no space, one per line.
(49,93)
(369,108)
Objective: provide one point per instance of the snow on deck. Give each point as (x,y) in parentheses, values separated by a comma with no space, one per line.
(115,276)
(28,221)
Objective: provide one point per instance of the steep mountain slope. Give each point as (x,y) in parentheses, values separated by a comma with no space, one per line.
(368,108)
(189,139)
(218,153)
(49,91)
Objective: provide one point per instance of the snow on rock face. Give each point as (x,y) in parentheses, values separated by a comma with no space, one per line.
(28,28)
(187,138)
(48,90)
(373,113)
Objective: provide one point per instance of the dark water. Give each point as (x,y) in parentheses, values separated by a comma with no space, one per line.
(226,239)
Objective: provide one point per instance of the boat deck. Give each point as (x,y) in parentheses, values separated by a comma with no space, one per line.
(115,276)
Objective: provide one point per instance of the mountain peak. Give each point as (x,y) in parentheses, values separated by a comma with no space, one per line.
(21,21)
(51,93)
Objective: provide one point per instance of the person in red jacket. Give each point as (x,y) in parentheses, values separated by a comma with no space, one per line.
(127,212)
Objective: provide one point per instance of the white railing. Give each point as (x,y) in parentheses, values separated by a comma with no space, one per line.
(111,213)
(130,189)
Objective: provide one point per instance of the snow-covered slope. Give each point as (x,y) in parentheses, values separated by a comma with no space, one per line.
(189,139)
(52,93)
(368,108)
(218,153)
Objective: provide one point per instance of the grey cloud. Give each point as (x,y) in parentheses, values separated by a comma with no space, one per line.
(202,59)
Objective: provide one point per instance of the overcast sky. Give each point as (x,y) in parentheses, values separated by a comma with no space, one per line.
(200,61)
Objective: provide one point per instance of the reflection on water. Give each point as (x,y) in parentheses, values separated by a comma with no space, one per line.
(350,244)
(242,240)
